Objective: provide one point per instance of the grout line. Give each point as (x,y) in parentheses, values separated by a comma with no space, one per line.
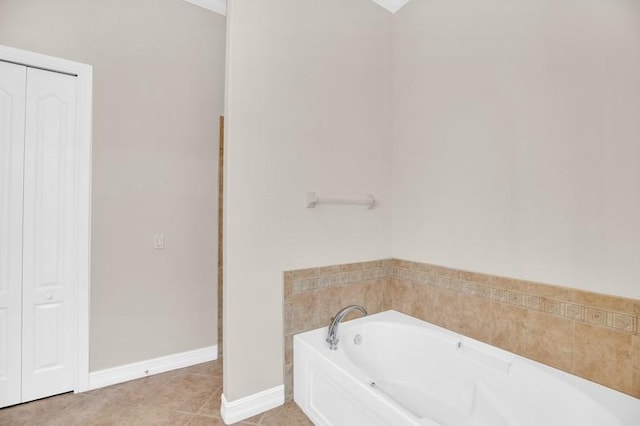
(188,422)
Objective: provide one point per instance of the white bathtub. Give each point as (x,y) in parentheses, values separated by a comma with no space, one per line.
(409,372)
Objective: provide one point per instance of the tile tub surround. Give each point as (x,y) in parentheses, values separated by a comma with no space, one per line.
(313,296)
(590,335)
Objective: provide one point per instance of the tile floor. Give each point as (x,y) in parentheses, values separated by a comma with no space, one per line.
(190,397)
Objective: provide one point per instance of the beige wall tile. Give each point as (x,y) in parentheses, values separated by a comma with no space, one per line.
(549,340)
(387,294)
(352,294)
(289,318)
(287,294)
(373,296)
(332,300)
(288,382)
(603,356)
(605,302)
(304,273)
(425,306)
(352,267)
(288,349)
(549,291)
(399,263)
(635,371)
(445,305)
(474,317)
(330,270)
(314,309)
(509,327)
(403,296)
(302,305)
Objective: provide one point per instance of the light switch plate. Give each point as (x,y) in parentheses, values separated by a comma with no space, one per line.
(158,241)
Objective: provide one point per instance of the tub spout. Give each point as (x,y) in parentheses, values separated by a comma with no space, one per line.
(332,334)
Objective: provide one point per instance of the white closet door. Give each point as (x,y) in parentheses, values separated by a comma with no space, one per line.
(12,106)
(50,235)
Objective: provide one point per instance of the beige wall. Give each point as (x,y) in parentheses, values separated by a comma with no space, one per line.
(513,139)
(158,91)
(308,109)
(516,129)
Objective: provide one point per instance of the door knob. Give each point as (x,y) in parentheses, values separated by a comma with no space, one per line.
(49,296)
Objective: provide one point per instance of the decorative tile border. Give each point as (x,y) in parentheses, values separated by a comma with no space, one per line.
(338,279)
(332,276)
(615,321)
(302,280)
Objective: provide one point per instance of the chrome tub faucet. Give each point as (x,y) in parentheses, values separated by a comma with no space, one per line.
(332,334)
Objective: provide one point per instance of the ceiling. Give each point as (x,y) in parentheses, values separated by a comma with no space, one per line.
(220,6)
(392,5)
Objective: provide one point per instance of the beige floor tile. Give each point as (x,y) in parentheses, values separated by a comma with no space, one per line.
(213,368)
(198,420)
(255,420)
(131,393)
(38,412)
(92,411)
(186,392)
(212,406)
(289,414)
(134,391)
(143,415)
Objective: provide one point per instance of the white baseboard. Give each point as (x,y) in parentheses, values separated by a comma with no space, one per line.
(137,370)
(251,405)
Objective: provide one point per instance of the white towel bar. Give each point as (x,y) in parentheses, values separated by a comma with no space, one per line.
(313,201)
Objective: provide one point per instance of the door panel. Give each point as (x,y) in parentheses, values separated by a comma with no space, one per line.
(50,242)
(46,345)
(12,110)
